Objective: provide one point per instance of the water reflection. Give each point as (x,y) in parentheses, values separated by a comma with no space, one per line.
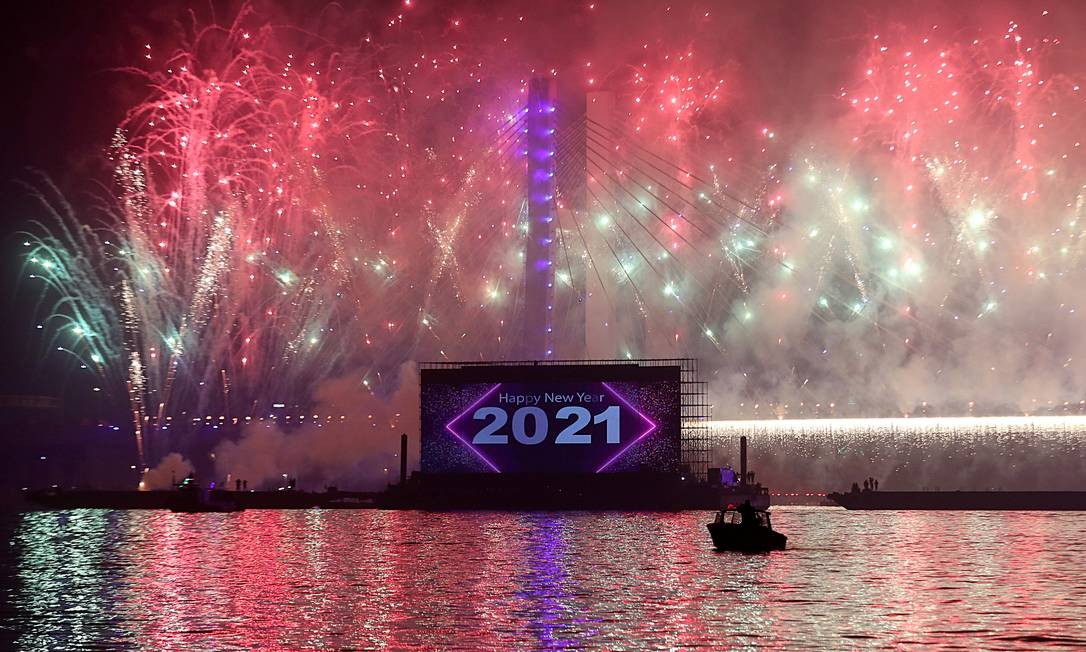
(327,579)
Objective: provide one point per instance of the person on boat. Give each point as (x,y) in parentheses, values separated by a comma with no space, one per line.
(748,514)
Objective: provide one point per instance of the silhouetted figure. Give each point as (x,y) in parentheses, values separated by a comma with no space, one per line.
(747,514)
(867,485)
(876,485)
(244,485)
(855,488)
(237,485)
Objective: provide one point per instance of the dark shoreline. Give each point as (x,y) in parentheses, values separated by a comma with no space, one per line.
(962,500)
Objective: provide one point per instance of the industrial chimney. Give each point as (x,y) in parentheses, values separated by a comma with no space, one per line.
(743,460)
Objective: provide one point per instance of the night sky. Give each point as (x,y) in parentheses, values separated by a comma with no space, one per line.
(63,102)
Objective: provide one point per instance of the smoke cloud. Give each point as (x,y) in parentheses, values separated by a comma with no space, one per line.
(172,469)
(357,448)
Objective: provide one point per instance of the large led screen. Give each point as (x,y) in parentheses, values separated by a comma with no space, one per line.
(550,419)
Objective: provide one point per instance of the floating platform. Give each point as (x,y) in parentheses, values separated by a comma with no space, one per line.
(483,491)
(963,500)
(603,491)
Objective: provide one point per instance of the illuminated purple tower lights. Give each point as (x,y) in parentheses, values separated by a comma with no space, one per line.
(538,324)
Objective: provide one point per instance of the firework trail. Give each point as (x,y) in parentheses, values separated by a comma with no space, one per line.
(223,271)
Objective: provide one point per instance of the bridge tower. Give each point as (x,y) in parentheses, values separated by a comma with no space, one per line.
(539,252)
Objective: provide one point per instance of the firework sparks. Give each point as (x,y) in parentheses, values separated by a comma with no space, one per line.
(287,210)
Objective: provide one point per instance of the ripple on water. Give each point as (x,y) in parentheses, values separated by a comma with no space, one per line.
(320,579)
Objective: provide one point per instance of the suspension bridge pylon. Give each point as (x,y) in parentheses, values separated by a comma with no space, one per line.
(538,337)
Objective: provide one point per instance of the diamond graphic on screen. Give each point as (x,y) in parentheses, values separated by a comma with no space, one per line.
(541,427)
(651,426)
(449,427)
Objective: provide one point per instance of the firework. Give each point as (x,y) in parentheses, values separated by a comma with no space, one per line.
(288,210)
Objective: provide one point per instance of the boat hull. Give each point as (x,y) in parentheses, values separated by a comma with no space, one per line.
(740,538)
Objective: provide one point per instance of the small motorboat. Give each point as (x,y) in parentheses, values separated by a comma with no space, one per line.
(745,529)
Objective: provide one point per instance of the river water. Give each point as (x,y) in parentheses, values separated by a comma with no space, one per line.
(414,580)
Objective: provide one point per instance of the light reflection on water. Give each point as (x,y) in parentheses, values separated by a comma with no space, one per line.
(327,579)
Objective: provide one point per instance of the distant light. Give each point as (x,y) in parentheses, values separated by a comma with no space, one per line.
(977,218)
(279,405)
